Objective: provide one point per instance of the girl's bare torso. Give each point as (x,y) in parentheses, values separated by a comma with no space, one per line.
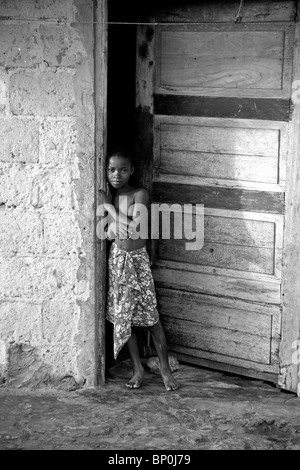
(124,203)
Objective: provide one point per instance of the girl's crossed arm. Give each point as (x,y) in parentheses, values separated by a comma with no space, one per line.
(119,224)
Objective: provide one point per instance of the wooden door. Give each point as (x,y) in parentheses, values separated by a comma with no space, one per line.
(213,111)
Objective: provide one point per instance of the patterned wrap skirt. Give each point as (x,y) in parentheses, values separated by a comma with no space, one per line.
(131,294)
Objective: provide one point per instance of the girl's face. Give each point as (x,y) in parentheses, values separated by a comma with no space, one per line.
(119,171)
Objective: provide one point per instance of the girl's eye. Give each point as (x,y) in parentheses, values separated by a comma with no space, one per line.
(112,170)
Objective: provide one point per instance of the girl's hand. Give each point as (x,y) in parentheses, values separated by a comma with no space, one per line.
(104,197)
(119,230)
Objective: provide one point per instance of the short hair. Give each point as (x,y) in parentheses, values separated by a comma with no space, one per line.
(124,152)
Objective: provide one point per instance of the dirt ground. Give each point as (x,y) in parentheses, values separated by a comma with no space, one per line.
(211,411)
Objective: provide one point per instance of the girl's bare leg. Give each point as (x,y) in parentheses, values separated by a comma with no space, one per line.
(138,370)
(160,344)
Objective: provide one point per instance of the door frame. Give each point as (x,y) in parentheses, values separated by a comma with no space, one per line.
(100,139)
(289,373)
(289,354)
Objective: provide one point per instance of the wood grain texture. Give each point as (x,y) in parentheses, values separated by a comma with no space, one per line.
(213,339)
(222,59)
(240,258)
(144,107)
(237,244)
(248,152)
(219,285)
(221,227)
(215,270)
(248,168)
(226,302)
(289,369)
(217,60)
(235,325)
(219,140)
(192,180)
(222,107)
(234,366)
(221,136)
(221,198)
(189,11)
(100,15)
(198,309)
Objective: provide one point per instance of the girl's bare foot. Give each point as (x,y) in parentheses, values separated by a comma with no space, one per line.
(136,380)
(169,381)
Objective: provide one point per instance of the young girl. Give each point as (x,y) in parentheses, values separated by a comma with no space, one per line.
(131,294)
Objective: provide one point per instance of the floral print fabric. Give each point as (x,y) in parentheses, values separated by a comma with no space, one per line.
(131,293)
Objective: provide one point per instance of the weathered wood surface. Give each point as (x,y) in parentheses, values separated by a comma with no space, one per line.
(227,303)
(222,107)
(244,60)
(173,178)
(221,59)
(100,15)
(233,366)
(215,270)
(221,132)
(245,151)
(218,140)
(231,230)
(235,243)
(217,316)
(204,311)
(213,339)
(144,105)
(221,198)
(144,108)
(290,343)
(231,166)
(255,290)
(240,258)
(224,12)
(170,11)
(207,320)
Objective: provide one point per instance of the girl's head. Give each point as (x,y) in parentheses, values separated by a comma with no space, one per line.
(120,166)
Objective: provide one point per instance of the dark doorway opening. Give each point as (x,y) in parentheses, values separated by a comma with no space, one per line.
(120,110)
(121,85)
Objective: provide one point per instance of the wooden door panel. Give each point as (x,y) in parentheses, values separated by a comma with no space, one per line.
(277,109)
(240,258)
(250,153)
(231,329)
(240,60)
(221,59)
(171,189)
(254,348)
(225,12)
(220,140)
(219,166)
(187,277)
(217,102)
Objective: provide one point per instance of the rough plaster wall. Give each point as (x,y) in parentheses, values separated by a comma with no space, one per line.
(47,325)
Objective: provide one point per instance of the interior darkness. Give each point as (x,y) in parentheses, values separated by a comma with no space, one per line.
(120,111)
(121,85)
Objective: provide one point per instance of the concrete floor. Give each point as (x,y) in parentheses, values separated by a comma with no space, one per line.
(212,411)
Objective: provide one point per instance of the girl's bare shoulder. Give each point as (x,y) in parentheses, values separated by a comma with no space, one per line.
(141,191)
(141,195)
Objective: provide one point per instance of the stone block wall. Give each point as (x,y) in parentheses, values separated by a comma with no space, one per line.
(47,305)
